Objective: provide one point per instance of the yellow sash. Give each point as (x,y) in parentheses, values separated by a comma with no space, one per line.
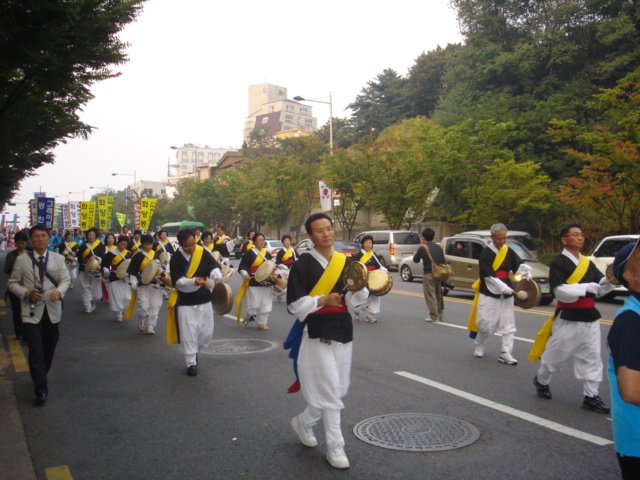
(134,294)
(243,288)
(249,245)
(210,247)
(71,245)
(223,239)
(172,320)
(111,247)
(288,254)
(542,337)
(330,275)
(365,258)
(501,255)
(88,251)
(118,258)
(161,246)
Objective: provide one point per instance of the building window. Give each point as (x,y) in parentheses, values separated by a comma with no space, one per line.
(308,123)
(303,111)
(265,120)
(281,93)
(290,108)
(288,118)
(200,156)
(185,156)
(209,157)
(287,127)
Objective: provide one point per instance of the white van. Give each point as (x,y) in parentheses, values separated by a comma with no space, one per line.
(604,254)
(391,246)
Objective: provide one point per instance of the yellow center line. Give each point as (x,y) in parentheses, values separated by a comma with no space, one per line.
(58,473)
(17,355)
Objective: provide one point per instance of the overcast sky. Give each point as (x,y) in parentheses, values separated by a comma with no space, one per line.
(190,65)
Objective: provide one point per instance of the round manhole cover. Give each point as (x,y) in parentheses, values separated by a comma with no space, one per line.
(416,432)
(238,346)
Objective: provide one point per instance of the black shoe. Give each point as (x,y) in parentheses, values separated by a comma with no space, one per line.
(543,390)
(41,398)
(596,404)
(192,370)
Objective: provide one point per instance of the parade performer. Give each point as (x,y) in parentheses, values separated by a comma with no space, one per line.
(322,337)
(575,329)
(248,243)
(109,240)
(147,298)
(190,320)
(372,306)
(119,288)
(494,298)
(259,300)
(287,255)
(134,243)
(624,364)
(163,245)
(69,249)
(222,243)
(90,281)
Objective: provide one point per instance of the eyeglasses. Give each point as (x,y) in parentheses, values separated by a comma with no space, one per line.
(189,247)
(574,235)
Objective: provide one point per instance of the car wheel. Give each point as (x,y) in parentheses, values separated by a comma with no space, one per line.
(546,300)
(405,273)
(445,291)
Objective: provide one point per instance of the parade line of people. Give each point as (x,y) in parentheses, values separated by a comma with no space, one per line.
(135,273)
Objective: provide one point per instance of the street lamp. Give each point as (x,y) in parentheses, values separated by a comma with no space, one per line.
(298,98)
(134,180)
(75,193)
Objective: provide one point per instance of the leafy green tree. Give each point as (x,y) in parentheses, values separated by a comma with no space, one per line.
(51,54)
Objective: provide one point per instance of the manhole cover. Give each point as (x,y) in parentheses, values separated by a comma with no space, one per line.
(238,346)
(416,432)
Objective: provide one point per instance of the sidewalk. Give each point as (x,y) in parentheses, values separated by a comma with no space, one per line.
(15,457)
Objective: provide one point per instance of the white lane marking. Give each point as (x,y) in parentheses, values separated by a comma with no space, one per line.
(464,328)
(510,411)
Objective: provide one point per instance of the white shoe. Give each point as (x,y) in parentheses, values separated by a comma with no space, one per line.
(119,319)
(505,357)
(479,351)
(304,433)
(141,327)
(150,330)
(371,319)
(336,456)
(356,316)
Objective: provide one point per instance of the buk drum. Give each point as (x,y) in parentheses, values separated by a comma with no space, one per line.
(150,272)
(121,271)
(281,279)
(265,271)
(93,265)
(222,298)
(379,282)
(225,271)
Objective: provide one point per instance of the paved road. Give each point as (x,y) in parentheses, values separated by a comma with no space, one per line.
(121,405)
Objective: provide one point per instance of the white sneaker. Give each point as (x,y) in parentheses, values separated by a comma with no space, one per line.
(356,316)
(141,327)
(150,330)
(479,351)
(304,433)
(505,357)
(336,456)
(119,319)
(371,319)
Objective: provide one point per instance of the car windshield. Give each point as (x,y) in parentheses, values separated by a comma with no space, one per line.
(611,247)
(275,244)
(406,238)
(522,252)
(346,246)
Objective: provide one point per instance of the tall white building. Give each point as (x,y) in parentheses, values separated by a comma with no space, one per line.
(271,110)
(189,157)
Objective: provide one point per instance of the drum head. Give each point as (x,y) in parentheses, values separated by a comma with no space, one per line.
(265,270)
(533,294)
(355,276)
(92,265)
(225,270)
(222,298)
(379,282)
(164,258)
(151,271)
(121,272)
(216,255)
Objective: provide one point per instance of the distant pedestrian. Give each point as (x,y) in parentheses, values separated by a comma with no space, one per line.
(431,253)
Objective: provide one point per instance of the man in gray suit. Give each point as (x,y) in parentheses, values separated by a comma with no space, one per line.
(40,279)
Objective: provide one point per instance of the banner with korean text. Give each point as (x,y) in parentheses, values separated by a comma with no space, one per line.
(74,213)
(122,219)
(105,209)
(147,206)
(44,212)
(87,215)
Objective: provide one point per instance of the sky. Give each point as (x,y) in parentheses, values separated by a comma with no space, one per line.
(190,65)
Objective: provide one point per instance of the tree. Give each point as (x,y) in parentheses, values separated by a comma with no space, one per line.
(51,54)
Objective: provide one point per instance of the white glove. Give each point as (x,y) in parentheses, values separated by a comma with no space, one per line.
(134,282)
(216,275)
(592,287)
(105,271)
(525,271)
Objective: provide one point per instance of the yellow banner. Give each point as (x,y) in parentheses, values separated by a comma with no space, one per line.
(122,219)
(147,206)
(87,215)
(105,207)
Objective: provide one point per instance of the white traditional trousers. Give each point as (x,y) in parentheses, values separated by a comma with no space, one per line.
(196,329)
(119,296)
(148,304)
(580,340)
(91,290)
(495,315)
(259,303)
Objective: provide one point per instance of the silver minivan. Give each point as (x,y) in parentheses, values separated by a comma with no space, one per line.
(391,246)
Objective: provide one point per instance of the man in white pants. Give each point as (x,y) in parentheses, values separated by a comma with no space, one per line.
(315,295)
(190,267)
(575,282)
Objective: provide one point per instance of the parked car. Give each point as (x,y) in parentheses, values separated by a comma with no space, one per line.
(604,254)
(343,246)
(273,246)
(523,237)
(391,246)
(462,252)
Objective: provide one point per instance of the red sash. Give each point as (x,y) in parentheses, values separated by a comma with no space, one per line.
(502,274)
(329,309)
(583,302)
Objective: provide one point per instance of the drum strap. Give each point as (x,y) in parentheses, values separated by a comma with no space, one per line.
(90,248)
(471,326)
(288,254)
(542,337)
